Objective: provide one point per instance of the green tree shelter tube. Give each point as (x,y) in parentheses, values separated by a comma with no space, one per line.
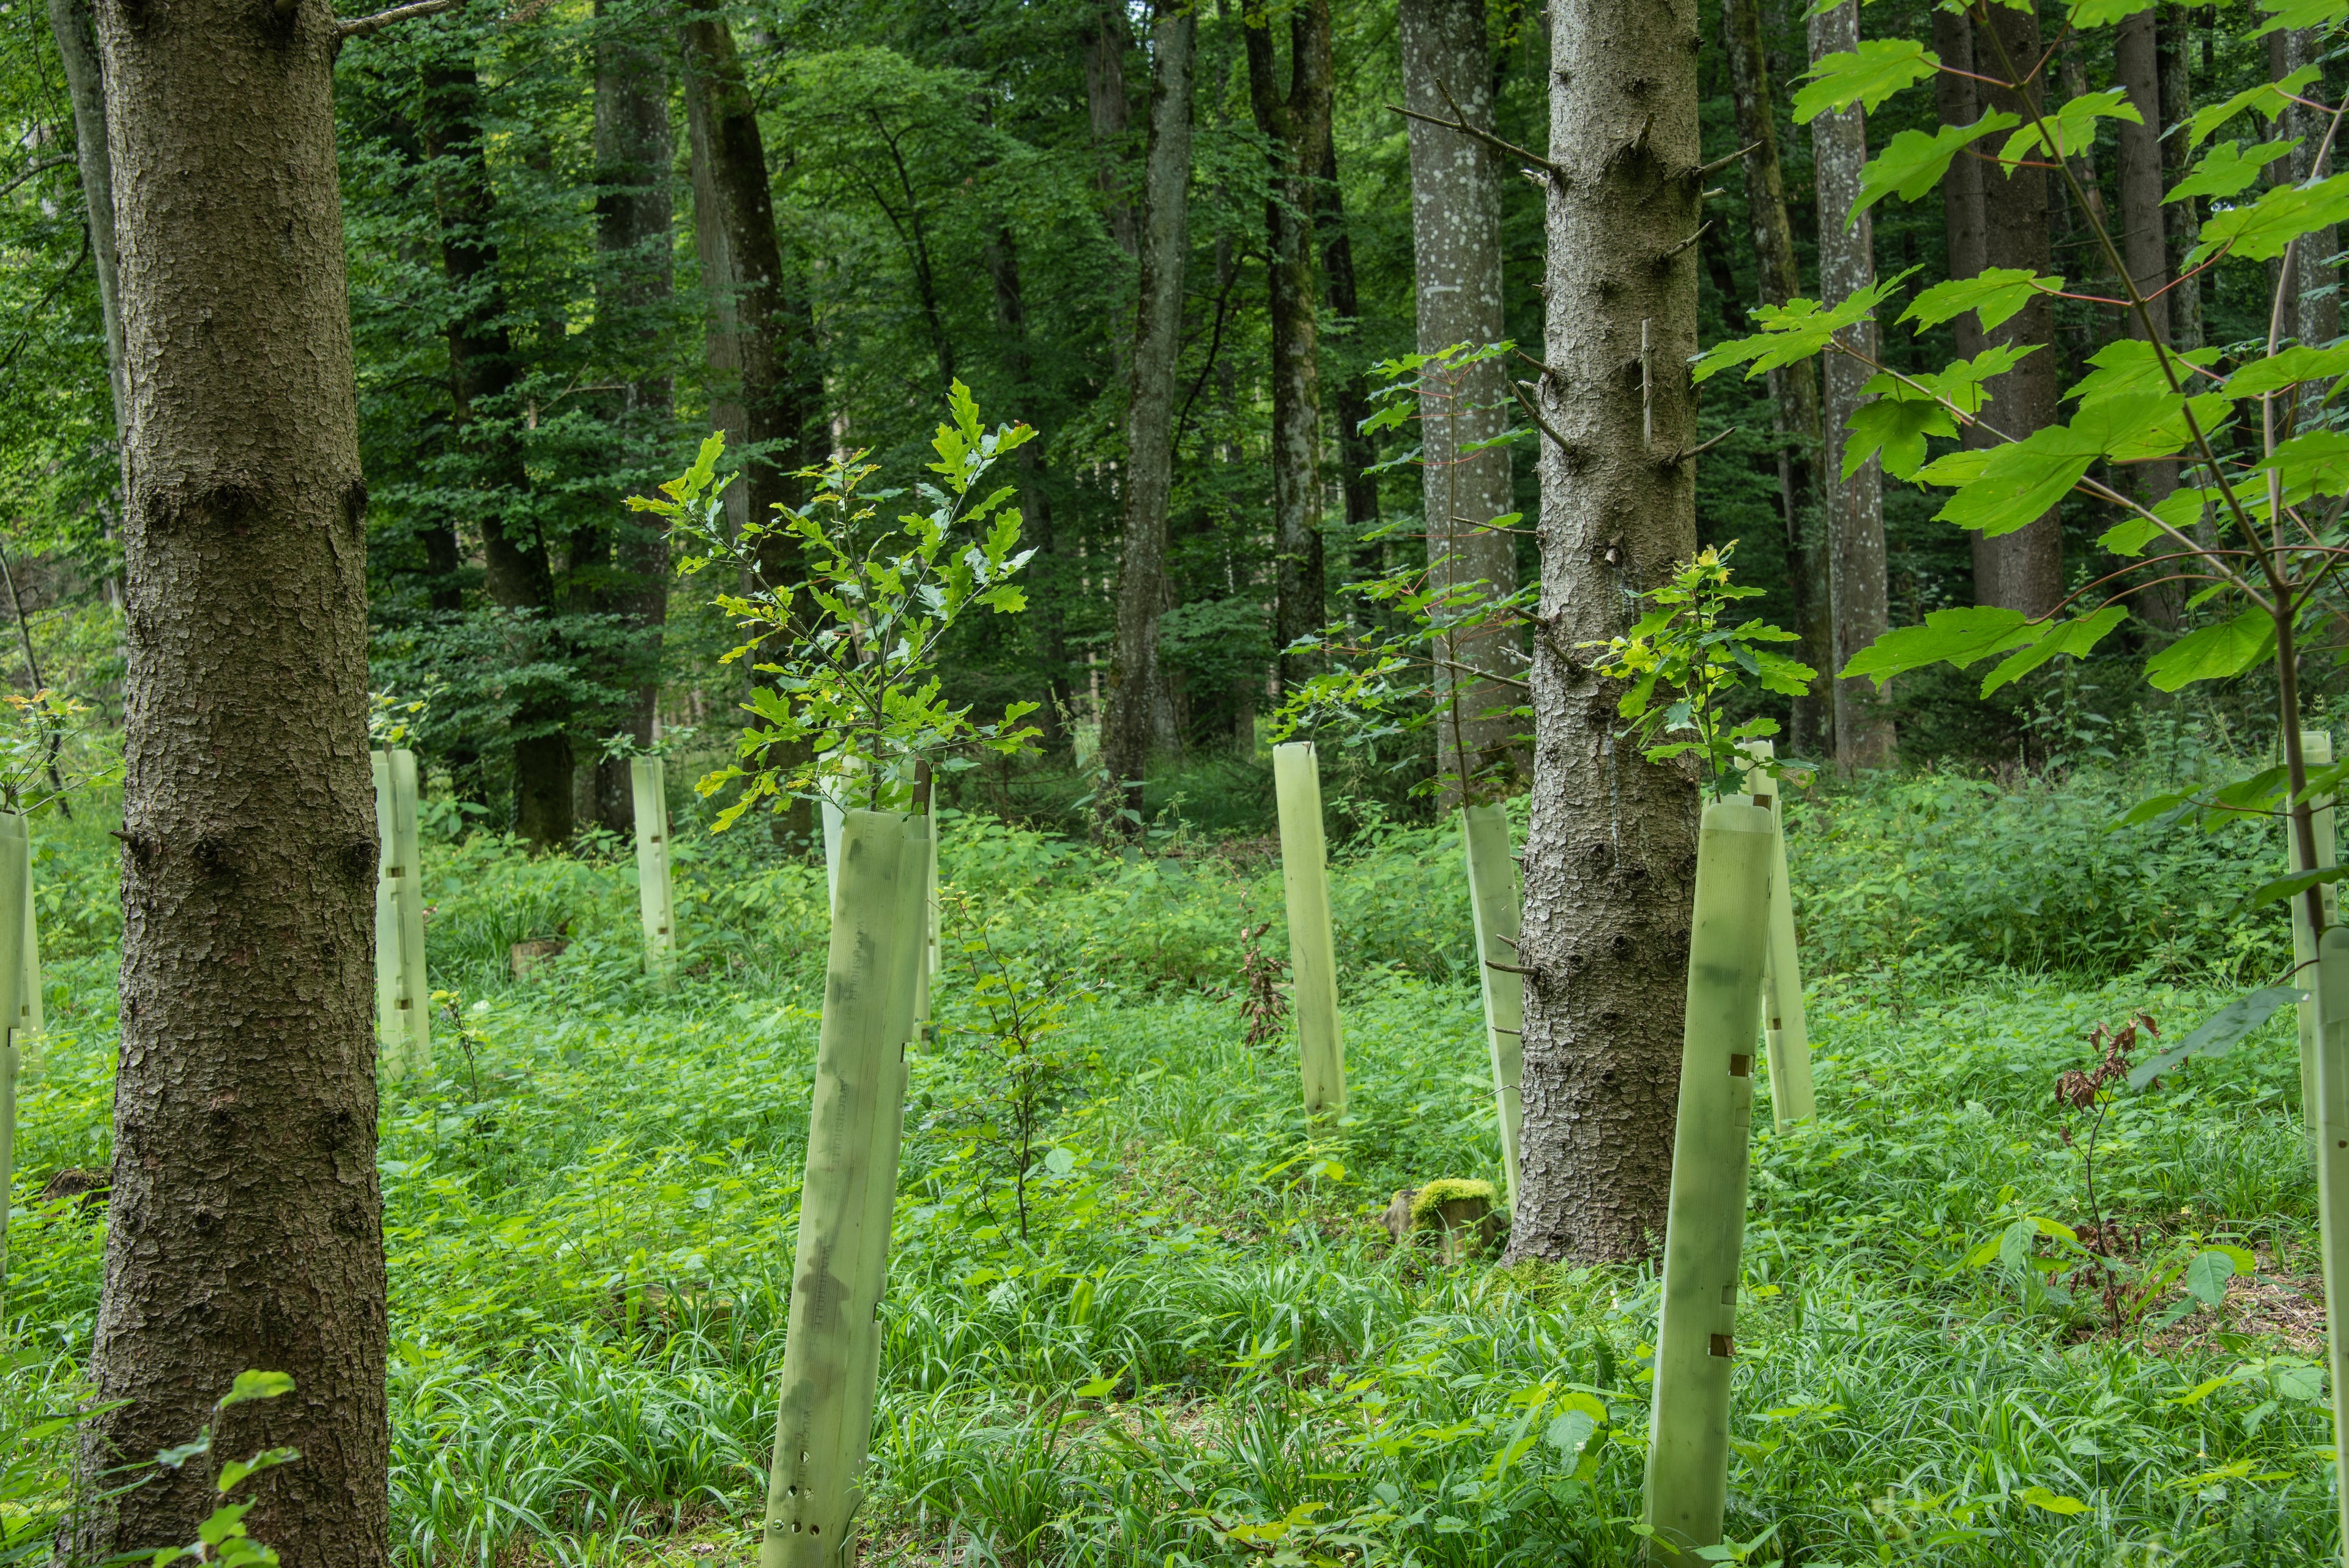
(648,786)
(403,997)
(1313,951)
(2316,746)
(30,1020)
(13,857)
(1688,1446)
(1785,1032)
(2329,1122)
(820,1432)
(1497,901)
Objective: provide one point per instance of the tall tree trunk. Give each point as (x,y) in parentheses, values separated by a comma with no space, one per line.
(1795,387)
(722,329)
(2144,248)
(1962,220)
(633,151)
(245,1226)
(1047,610)
(1351,399)
(2315,318)
(1610,853)
(2181,219)
(75,24)
(770,326)
(1107,107)
(1455,234)
(1143,589)
(1855,505)
(2026,567)
(1296,126)
(517,570)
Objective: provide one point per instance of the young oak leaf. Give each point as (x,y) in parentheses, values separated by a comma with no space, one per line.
(1994,294)
(1881,68)
(2227,172)
(2261,230)
(2073,126)
(1913,164)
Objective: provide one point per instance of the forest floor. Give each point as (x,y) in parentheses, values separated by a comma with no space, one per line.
(1202,1348)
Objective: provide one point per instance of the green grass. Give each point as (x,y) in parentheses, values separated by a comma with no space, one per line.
(1204,1347)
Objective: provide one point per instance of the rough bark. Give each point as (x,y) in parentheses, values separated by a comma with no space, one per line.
(1107,107)
(2026,567)
(634,149)
(2145,246)
(1456,249)
(245,1226)
(2182,220)
(1856,564)
(1610,853)
(517,570)
(1295,126)
(2315,315)
(1137,684)
(1958,103)
(722,329)
(74,23)
(1795,389)
(769,325)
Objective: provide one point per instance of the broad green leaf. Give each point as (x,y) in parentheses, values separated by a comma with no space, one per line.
(1795,331)
(2261,230)
(2301,16)
(2077,638)
(2293,886)
(2296,364)
(1996,294)
(1912,164)
(1881,68)
(2132,365)
(1956,637)
(2073,126)
(2270,99)
(2218,1034)
(2021,483)
(2053,1502)
(2316,463)
(263,1385)
(2213,652)
(2183,509)
(2206,1277)
(1952,469)
(2104,12)
(1898,426)
(2226,172)
(2304,1383)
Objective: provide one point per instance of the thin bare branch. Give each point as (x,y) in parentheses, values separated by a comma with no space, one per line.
(360,26)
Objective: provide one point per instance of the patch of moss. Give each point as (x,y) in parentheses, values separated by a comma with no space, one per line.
(1436,1194)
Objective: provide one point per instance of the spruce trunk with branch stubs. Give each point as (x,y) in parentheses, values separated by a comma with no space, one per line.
(1856,563)
(249,1237)
(1611,854)
(1456,249)
(1138,684)
(1795,389)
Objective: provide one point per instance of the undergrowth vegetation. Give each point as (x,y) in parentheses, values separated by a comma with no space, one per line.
(1202,1349)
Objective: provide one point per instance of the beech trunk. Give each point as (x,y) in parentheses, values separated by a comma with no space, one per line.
(245,1225)
(1610,853)
(1144,590)
(1856,566)
(1455,230)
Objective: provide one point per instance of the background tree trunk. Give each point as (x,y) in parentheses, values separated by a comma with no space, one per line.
(1611,855)
(2315,318)
(1962,220)
(517,572)
(1455,231)
(245,1228)
(1350,400)
(75,24)
(1855,505)
(1297,128)
(1795,387)
(721,324)
(1109,108)
(1046,607)
(2144,248)
(633,151)
(1137,684)
(770,326)
(2182,221)
(2026,567)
